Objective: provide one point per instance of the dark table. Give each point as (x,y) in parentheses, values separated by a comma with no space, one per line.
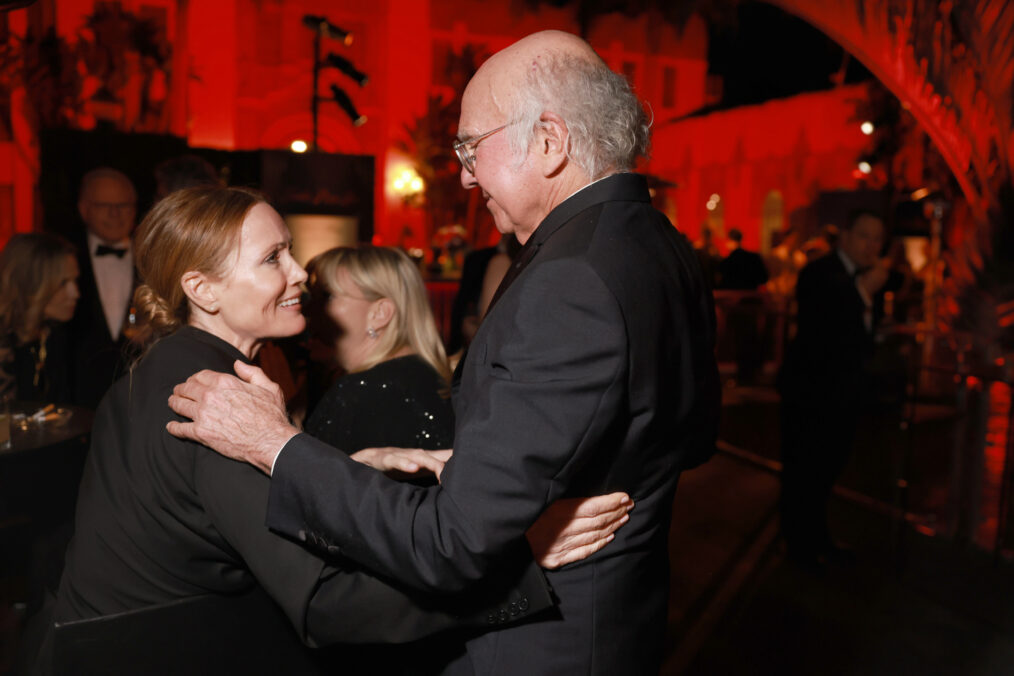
(35,437)
(39,474)
(39,478)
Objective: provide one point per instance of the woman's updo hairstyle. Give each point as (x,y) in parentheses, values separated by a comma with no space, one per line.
(192,229)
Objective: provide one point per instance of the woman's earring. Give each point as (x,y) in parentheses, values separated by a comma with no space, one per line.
(372,332)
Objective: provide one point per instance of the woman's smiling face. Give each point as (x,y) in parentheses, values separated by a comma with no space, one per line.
(259,297)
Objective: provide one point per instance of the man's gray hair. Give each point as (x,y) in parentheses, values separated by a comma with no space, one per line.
(607,126)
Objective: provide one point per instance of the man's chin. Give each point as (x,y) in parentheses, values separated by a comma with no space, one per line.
(502,227)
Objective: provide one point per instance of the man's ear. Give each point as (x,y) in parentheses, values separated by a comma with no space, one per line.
(381,313)
(200,290)
(553,138)
(82,208)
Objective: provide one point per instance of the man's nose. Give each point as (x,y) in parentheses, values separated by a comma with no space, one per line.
(467,179)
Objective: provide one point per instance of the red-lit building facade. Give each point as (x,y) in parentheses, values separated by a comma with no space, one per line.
(238,75)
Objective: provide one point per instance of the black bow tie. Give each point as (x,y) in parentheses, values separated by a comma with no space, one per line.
(103,250)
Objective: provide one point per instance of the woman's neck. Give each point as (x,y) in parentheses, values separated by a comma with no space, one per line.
(360,365)
(248,347)
(40,333)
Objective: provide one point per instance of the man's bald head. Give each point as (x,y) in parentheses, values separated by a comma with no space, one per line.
(529,53)
(559,72)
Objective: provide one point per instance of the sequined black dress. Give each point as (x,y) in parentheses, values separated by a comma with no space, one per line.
(398,402)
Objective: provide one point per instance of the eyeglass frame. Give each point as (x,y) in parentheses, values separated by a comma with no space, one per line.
(468,159)
(116,207)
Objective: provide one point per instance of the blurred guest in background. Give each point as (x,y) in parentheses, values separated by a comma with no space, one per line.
(741,270)
(744,270)
(370,305)
(481,274)
(707,256)
(107,205)
(38,294)
(183,171)
(823,379)
(465,311)
(495,272)
(374,310)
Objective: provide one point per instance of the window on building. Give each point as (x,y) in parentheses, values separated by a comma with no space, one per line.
(443,59)
(630,71)
(772,219)
(668,87)
(269,36)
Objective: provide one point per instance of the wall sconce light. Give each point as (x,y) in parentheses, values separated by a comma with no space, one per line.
(867,127)
(298,146)
(324,27)
(346,68)
(408,182)
(345,103)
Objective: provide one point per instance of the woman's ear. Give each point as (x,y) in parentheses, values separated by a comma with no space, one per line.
(200,290)
(552,138)
(381,313)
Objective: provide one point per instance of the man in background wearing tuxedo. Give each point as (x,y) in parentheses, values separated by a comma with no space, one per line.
(108,206)
(823,381)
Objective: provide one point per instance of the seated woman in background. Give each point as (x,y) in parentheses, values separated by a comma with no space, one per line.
(370,304)
(38,293)
(161,519)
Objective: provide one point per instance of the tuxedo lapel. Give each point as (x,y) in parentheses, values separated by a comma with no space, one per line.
(617,187)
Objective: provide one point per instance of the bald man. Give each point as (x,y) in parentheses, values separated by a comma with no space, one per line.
(593,371)
(107,204)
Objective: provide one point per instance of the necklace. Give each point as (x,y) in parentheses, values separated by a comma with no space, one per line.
(40,356)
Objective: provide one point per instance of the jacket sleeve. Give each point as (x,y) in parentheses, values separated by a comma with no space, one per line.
(328,602)
(537,416)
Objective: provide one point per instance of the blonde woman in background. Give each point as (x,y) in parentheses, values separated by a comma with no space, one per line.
(370,305)
(38,294)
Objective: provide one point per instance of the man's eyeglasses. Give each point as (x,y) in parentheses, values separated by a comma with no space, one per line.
(466,147)
(114,207)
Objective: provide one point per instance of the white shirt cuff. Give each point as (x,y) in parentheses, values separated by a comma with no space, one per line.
(278,453)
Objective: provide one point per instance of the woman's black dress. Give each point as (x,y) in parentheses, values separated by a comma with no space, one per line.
(399,402)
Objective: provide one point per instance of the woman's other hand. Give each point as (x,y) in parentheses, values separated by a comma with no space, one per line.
(575,528)
(410,461)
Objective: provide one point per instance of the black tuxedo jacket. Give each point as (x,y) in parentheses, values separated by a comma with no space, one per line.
(825,362)
(161,519)
(98,359)
(593,372)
